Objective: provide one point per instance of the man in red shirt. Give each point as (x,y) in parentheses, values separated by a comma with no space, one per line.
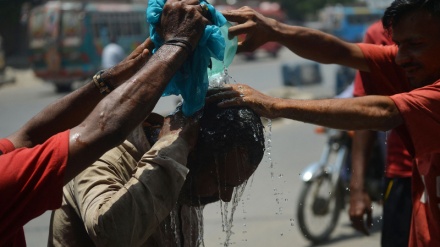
(413,114)
(397,190)
(70,134)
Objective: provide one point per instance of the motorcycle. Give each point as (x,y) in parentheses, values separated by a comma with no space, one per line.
(325,190)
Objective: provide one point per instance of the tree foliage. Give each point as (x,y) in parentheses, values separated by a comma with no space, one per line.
(301,10)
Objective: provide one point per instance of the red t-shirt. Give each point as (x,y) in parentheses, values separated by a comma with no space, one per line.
(375,34)
(31,182)
(399,161)
(420,108)
(421,111)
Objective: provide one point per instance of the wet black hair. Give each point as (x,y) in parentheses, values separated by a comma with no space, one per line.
(400,8)
(223,129)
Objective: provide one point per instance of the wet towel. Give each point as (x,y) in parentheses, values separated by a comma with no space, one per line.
(191,82)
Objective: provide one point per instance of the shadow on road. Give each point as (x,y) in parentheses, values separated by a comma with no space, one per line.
(376,228)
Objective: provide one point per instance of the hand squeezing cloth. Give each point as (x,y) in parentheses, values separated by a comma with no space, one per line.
(191,82)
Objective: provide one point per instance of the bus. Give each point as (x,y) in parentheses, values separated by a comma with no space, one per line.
(66,39)
(349,22)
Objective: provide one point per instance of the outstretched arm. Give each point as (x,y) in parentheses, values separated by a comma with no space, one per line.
(369,112)
(305,42)
(72,109)
(126,107)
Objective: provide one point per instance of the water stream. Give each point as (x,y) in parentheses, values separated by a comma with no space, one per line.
(227,209)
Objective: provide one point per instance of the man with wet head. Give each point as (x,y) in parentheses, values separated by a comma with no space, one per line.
(229,149)
(130,198)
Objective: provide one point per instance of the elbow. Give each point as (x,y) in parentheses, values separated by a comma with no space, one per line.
(390,120)
(104,231)
(119,224)
(116,135)
(112,132)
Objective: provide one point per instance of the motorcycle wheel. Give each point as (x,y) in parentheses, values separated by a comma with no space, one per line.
(319,208)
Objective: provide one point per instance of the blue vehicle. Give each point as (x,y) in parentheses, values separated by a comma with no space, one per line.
(66,38)
(349,22)
(346,22)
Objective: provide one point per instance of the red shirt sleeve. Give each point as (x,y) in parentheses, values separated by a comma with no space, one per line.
(420,109)
(31,181)
(376,35)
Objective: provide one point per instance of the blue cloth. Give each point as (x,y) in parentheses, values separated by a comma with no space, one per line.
(192,80)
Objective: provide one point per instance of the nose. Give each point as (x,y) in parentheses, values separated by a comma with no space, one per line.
(403,57)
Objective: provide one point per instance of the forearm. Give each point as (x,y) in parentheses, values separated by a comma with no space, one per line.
(123,109)
(369,112)
(60,115)
(361,150)
(73,108)
(319,46)
(132,102)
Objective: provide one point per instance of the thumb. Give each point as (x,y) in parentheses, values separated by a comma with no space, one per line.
(369,219)
(141,59)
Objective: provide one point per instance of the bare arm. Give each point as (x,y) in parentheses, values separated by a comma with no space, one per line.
(369,112)
(305,42)
(126,107)
(360,202)
(72,109)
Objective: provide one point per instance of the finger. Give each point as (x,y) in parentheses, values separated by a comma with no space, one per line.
(364,230)
(216,90)
(193,2)
(237,101)
(222,96)
(234,16)
(240,28)
(369,220)
(145,53)
(359,225)
(204,8)
(140,60)
(148,44)
(139,49)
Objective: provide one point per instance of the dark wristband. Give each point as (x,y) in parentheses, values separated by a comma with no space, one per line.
(181,43)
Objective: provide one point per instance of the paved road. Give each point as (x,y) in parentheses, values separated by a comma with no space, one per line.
(265,214)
